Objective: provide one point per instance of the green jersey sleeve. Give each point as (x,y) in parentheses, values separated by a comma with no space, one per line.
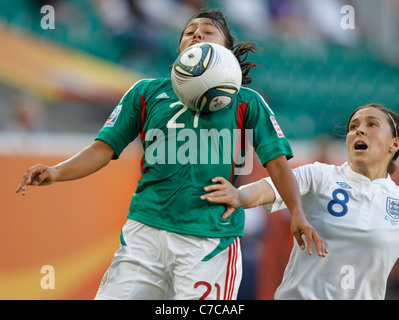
(124,123)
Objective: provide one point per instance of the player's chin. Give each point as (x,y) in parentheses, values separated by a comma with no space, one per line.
(359,161)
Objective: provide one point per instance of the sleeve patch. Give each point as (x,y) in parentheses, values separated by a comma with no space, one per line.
(114,115)
(276,126)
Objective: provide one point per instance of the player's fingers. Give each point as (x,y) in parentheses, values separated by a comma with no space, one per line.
(306,231)
(228,212)
(312,236)
(299,240)
(33,172)
(320,244)
(28,177)
(219,184)
(21,184)
(24,182)
(219,180)
(33,176)
(309,241)
(41,177)
(215,196)
(214,187)
(21,188)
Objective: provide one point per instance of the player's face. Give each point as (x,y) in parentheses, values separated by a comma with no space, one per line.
(369,141)
(201,30)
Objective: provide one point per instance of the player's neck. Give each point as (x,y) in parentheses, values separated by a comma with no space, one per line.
(370,172)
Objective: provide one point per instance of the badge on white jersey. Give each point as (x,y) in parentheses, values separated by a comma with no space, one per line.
(393,211)
(344,185)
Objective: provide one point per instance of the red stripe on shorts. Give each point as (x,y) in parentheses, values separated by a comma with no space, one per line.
(231,271)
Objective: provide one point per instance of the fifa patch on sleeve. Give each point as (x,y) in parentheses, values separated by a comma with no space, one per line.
(114,115)
(276,126)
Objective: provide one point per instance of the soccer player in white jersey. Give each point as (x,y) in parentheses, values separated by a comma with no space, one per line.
(174,245)
(354,207)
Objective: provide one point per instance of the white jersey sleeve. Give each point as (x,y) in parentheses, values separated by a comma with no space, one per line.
(308,178)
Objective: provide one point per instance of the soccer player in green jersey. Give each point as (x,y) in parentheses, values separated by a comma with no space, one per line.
(175,245)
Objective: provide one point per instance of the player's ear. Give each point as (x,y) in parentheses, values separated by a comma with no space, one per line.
(395,145)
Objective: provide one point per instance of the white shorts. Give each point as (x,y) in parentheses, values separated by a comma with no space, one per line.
(155,264)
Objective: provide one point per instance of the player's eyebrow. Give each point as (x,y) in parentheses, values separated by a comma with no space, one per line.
(367,118)
(196,23)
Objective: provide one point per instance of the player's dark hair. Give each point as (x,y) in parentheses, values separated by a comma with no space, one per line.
(393,120)
(240,50)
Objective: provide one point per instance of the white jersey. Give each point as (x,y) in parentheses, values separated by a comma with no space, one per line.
(358,220)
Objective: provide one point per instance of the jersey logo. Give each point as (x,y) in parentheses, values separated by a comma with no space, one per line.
(344,185)
(393,211)
(162,96)
(114,115)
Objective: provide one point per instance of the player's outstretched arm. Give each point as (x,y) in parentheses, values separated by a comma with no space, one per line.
(82,164)
(246,196)
(287,186)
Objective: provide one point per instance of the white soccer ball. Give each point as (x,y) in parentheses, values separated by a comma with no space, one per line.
(206,77)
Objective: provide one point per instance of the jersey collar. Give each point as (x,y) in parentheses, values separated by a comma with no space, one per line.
(352,175)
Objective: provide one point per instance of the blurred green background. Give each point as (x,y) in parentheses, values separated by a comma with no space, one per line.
(312,72)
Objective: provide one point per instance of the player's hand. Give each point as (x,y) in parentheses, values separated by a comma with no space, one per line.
(223,192)
(300,226)
(38,175)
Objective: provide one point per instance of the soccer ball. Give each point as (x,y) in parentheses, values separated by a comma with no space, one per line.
(206,77)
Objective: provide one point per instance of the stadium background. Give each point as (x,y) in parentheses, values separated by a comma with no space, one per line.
(58,86)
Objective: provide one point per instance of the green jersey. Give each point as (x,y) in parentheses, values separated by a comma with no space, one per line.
(184,150)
